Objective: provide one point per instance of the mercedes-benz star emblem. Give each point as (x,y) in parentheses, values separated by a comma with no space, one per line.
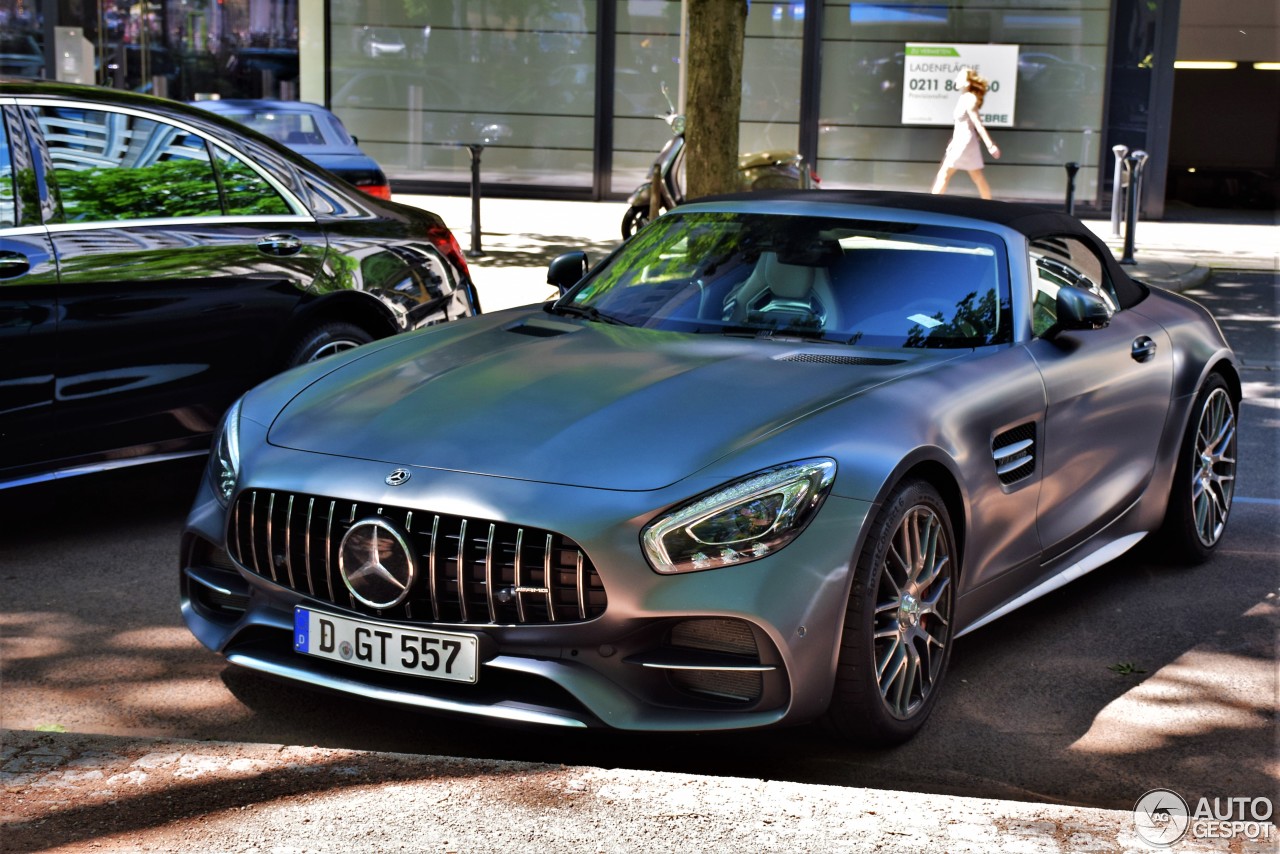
(398,477)
(376,564)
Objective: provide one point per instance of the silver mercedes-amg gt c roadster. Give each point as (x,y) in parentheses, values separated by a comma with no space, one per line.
(762,465)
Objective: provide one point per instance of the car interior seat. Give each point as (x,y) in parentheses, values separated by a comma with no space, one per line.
(791,294)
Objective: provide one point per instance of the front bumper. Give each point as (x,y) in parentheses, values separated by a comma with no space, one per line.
(737,647)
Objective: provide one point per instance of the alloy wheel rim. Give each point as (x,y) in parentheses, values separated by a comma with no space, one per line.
(912,622)
(333,348)
(1214,467)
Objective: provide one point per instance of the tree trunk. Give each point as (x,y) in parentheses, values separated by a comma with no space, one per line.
(713,101)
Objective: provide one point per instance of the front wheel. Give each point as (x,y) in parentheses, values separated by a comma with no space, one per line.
(1205,480)
(633,220)
(327,339)
(898,625)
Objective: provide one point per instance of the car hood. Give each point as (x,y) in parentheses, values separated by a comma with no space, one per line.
(573,403)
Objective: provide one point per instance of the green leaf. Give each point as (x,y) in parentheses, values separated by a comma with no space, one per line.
(1126,668)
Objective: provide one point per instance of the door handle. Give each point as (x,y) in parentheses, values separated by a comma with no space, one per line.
(1144,349)
(280,244)
(13,264)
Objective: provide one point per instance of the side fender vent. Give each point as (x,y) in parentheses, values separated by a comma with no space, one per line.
(1013,452)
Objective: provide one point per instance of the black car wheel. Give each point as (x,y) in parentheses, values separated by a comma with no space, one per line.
(634,220)
(898,624)
(326,340)
(1205,480)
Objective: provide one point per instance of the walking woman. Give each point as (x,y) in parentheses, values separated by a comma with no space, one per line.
(963,151)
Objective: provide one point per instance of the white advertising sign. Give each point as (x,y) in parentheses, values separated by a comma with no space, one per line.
(929,90)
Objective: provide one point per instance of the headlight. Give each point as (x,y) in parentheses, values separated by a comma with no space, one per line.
(224,456)
(743,521)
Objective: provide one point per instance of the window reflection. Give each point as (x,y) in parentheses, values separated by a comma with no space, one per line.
(117,166)
(8,200)
(247,192)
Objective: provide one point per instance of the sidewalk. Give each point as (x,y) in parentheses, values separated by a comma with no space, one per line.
(62,792)
(519,237)
(72,792)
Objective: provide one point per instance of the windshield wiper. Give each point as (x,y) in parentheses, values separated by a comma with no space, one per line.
(586,312)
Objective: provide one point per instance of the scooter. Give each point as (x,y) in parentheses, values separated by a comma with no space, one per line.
(775,169)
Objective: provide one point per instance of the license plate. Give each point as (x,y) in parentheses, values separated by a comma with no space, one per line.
(383,646)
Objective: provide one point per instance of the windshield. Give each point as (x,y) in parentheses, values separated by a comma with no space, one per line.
(879,284)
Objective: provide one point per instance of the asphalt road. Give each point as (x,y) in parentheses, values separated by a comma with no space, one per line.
(1138,676)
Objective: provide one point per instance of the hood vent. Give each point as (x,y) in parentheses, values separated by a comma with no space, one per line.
(830,359)
(1013,452)
(539,328)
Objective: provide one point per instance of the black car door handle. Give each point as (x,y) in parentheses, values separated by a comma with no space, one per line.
(1144,349)
(280,244)
(13,264)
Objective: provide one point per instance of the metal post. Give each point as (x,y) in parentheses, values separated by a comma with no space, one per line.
(476,150)
(1117,187)
(655,192)
(1072,168)
(1136,162)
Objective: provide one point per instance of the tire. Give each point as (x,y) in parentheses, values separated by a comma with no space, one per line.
(1204,480)
(327,339)
(633,220)
(896,641)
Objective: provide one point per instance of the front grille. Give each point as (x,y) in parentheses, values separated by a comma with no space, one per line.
(470,571)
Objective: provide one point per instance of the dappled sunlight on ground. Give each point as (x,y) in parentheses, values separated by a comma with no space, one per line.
(1189,698)
(171,637)
(35,634)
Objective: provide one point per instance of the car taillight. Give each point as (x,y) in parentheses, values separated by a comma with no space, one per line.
(444,240)
(378,191)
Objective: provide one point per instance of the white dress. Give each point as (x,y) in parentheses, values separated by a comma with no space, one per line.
(965,149)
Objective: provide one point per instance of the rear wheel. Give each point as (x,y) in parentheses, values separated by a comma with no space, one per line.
(1204,482)
(327,339)
(898,624)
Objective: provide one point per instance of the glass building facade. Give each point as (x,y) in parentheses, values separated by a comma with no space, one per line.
(563,94)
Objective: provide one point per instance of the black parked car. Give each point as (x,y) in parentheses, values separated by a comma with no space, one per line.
(157,260)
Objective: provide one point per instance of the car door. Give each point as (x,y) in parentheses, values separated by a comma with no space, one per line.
(179,264)
(1107,392)
(28,296)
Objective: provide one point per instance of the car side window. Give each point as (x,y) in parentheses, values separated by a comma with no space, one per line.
(121,166)
(1059,261)
(247,192)
(8,198)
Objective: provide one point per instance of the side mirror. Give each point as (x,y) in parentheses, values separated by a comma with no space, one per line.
(1080,309)
(567,270)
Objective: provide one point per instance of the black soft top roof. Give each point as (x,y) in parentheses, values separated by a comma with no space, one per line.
(1028,219)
